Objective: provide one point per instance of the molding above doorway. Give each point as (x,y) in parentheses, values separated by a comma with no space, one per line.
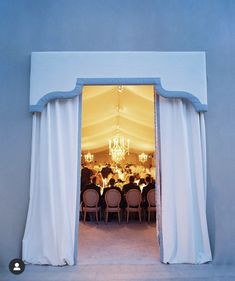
(156,82)
(175,74)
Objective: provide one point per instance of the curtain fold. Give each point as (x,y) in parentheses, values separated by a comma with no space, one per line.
(50,228)
(183,183)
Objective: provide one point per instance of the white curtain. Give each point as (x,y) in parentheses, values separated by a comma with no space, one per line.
(49,236)
(183,183)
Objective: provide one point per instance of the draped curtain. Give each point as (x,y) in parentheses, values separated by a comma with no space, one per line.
(183,183)
(49,236)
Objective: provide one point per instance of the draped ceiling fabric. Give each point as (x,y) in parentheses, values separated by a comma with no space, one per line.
(49,236)
(104,109)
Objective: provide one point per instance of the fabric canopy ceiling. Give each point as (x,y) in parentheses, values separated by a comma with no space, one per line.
(106,111)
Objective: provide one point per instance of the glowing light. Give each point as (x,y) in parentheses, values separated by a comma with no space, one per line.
(89,157)
(118,148)
(143,157)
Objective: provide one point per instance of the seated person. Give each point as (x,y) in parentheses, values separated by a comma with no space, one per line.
(99,180)
(106,171)
(137,178)
(111,186)
(86,174)
(149,185)
(94,186)
(142,184)
(130,185)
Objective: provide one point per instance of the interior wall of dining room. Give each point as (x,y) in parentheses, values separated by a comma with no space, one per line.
(110,25)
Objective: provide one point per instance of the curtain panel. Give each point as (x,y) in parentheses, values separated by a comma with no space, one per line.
(49,236)
(183,183)
(50,228)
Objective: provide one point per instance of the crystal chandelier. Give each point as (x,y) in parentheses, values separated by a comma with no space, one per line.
(89,157)
(118,148)
(120,88)
(143,157)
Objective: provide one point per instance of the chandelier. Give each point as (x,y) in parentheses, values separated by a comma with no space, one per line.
(143,157)
(118,148)
(89,157)
(120,88)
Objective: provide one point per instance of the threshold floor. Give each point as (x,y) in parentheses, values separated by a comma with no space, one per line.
(114,243)
(121,252)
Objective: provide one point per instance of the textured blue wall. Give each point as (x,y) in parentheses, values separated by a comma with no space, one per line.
(118,25)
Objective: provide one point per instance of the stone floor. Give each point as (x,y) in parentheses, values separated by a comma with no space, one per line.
(132,243)
(126,272)
(120,252)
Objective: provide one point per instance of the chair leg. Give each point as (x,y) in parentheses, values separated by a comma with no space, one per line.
(106,217)
(80,212)
(84,217)
(148,216)
(96,216)
(119,217)
(144,215)
(140,215)
(127,216)
(123,214)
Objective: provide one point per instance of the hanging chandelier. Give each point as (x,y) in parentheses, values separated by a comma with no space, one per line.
(143,157)
(118,148)
(120,88)
(89,157)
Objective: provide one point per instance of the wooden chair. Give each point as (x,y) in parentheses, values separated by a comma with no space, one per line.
(112,199)
(133,200)
(90,200)
(151,202)
(81,214)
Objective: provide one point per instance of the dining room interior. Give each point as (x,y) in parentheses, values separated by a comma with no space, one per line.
(117,218)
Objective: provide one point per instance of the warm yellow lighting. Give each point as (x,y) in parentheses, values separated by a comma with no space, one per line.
(89,157)
(118,148)
(120,88)
(143,157)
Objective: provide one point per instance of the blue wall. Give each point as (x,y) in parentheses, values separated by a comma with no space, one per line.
(121,25)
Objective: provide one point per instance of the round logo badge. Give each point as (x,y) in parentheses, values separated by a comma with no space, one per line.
(16,266)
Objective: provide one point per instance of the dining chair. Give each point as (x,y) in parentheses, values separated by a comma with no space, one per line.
(133,200)
(112,199)
(151,202)
(91,200)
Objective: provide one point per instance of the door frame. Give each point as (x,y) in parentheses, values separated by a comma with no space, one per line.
(158,91)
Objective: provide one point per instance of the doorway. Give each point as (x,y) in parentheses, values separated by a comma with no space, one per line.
(55,176)
(125,112)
